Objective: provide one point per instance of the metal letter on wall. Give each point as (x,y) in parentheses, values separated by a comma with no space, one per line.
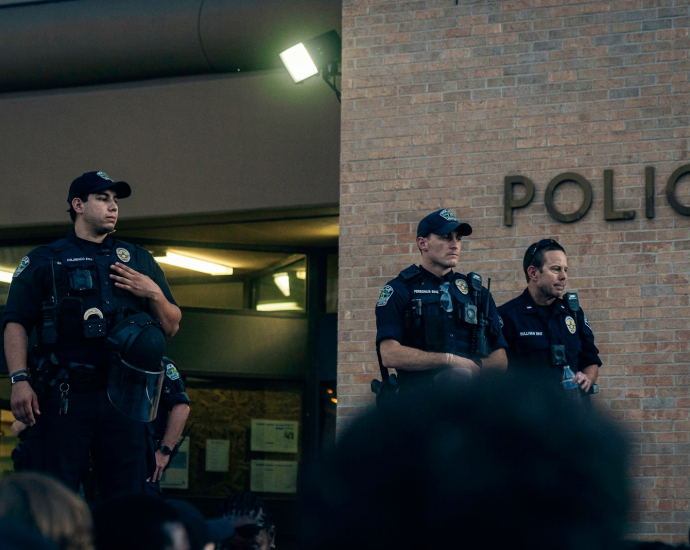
(671,190)
(649,192)
(509,203)
(609,212)
(584,207)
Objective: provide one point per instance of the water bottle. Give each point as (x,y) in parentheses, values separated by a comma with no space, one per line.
(571,387)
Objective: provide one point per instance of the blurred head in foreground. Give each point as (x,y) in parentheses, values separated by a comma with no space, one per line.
(44,504)
(497,461)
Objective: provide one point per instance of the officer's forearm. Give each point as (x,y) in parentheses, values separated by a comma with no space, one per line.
(176,421)
(168,314)
(396,356)
(592,373)
(497,360)
(16,347)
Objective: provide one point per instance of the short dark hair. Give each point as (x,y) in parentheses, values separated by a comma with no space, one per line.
(72,212)
(248,505)
(480,459)
(535,254)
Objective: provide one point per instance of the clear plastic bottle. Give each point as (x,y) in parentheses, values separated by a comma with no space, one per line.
(567,381)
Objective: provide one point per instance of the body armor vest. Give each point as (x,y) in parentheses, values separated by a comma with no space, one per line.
(428,326)
(88,302)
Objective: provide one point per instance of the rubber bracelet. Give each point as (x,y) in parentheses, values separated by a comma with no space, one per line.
(18,373)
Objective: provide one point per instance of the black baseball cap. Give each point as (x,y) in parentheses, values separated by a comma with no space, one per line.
(442,222)
(93,182)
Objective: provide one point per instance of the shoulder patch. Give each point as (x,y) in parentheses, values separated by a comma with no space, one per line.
(385,295)
(500,321)
(22,266)
(587,322)
(172,372)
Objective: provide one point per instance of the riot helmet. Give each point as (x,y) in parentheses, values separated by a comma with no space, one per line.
(135,348)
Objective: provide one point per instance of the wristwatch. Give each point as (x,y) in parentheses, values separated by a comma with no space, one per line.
(19,376)
(165,450)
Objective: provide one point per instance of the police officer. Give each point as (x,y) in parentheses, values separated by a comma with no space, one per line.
(74,292)
(167,428)
(544,331)
(433,322)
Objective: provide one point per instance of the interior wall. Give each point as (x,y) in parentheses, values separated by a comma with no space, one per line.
(191,145)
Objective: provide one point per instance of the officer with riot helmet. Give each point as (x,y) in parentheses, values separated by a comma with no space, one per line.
(101,309)
(433,322)
(545,327)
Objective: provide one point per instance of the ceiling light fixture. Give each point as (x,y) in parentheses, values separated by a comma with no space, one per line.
(279,306)
(194,264)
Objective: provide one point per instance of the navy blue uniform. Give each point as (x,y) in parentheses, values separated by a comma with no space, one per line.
(435,330)
(80,271)
(174,393)
(531,330)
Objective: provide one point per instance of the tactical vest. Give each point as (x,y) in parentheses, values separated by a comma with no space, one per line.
(427,325)
(89,303)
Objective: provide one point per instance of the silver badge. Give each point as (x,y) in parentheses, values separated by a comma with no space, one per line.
(570,323)
(123,254)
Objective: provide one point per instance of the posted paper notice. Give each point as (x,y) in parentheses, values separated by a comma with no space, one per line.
(274,436)
(274,476)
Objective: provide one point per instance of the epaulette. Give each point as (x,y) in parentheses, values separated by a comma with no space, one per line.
(410,274)
(60,245)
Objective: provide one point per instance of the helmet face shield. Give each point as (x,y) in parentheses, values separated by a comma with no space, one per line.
(135,392)
(136,346)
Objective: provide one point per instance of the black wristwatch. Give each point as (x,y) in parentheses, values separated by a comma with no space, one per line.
(19,376)
(165,450)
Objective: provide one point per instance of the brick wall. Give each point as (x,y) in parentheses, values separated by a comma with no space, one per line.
(442,101)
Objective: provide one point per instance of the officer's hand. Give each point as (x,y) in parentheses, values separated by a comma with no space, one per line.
(583,381)
(24,403)
(465,365)
(161,464)
(137,283)
(18,427)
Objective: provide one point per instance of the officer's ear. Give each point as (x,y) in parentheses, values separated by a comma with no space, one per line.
(422,243)
(532,273)
(78,205)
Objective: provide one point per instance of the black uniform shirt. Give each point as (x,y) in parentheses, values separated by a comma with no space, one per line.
(32,283)
(174,392)
(531,330)
(450,336)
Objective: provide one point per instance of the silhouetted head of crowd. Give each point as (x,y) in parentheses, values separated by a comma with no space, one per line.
(496,462)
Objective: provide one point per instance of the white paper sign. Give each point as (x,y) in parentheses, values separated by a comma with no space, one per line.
(217,455)
(274,436)
(177,474)
(274,476)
